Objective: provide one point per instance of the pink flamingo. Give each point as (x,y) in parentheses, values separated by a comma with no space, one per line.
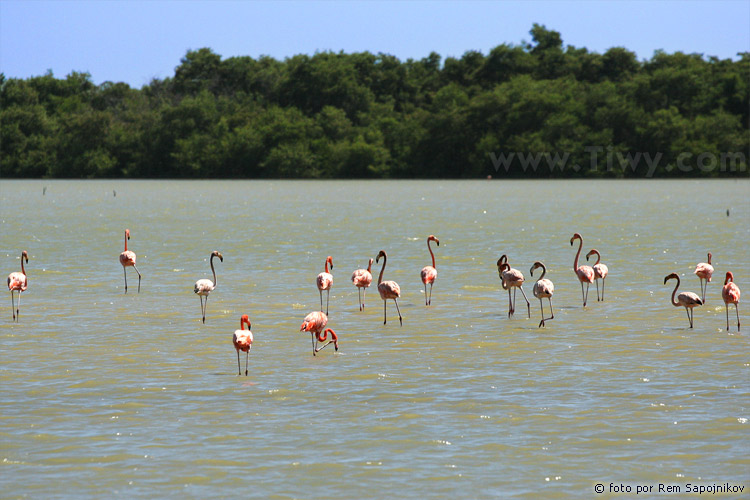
(362,279)
(512,278)
(314,323)
(243,341)
(543,288)
(704,271)
(688,300)
(731,295)
(388,289)
(584,273)
(205,286)
(18,282)
(324,282)
(127,259)
(429,273)
(600,271)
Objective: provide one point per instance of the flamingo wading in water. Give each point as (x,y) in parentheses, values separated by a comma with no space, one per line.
(362,279)
(18,282)
(324,282)
(429,273)
(127,259)
(388,289)
(543,288)
(704,271)
(731,295)
(585,274)
(512,278)
(205,286)
(688,300)
(600,271)
(243,341)
(315,322)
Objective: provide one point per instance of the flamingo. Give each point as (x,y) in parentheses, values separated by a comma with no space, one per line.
(688,300)
(362,279)
(704,271)
(127,259)
(388,289)
(243,341)
(18,282)
(314,323)
(512,278)
(600,271)
(731,295)
(205,286)
(429,273)
(324,282)
(543,288)
(584,273)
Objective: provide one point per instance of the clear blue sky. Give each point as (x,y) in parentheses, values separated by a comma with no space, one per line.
(134,41)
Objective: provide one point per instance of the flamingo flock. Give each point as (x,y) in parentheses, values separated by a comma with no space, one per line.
(511,280)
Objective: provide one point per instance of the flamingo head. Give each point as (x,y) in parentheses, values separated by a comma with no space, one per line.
(593,251)
(369,266)
(329,260)
(730,277)
(245,320)
(380,254)
(127,233)
(575,236)
(503,258)
(25,256)
(709,257)
(536,265)
(432,238)
(216,253)
(671,276)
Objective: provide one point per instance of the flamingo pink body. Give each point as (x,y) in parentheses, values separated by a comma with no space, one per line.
(688,300)
(731,295)
(585,274)
(314,323)
(324,281)
(388,289)
(704,271)
(18,282)
(243,341)
(429,273)
(543,288)
(362,278)
(512,279)
(127,259)
(600,271)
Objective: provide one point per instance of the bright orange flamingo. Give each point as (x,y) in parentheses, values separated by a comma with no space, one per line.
(731,295)
(243,341)
(704,271)
(127,259)
(362,279)
(314,323)
(429,273)
(512,279)
(688,300)
(543,288)
(600,271)
(18,282)
(324,282)
(388,289)
(585,274)
(205,286)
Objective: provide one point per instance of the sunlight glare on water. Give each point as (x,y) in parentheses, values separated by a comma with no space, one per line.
(130,394)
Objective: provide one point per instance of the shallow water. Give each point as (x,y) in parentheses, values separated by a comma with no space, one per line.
(115,394)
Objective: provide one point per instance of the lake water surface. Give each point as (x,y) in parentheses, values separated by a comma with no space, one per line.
(107,394)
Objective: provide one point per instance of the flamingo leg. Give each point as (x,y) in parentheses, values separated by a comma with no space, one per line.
(328,299)
(430,302)
(528,305)
(125,273)
(12,305)
(312,338)
(597,289)
(139,278)
(690,319)
(582,295)
(324,346)
(550,308)
(726,308)
(385,308)
(247,357)
(239,370)
(321,299)
(18,307)
(364,294)
(737,310)
(425,294)
(541,323)
(400,320)
(603,289)
(359,292)
(510,305)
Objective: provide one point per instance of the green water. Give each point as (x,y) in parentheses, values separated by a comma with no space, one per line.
(107,394)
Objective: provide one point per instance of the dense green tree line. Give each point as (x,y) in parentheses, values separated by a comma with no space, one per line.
(537,109)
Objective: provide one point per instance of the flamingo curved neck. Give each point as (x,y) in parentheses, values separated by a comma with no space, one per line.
(380,278)
(213,270)
(369,267)
(431,254)
(23,269)
(126,242)
(578,254)
(674,292)
(598,258)
(544,271)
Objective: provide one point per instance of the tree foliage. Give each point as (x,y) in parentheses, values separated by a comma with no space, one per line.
(366,115)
